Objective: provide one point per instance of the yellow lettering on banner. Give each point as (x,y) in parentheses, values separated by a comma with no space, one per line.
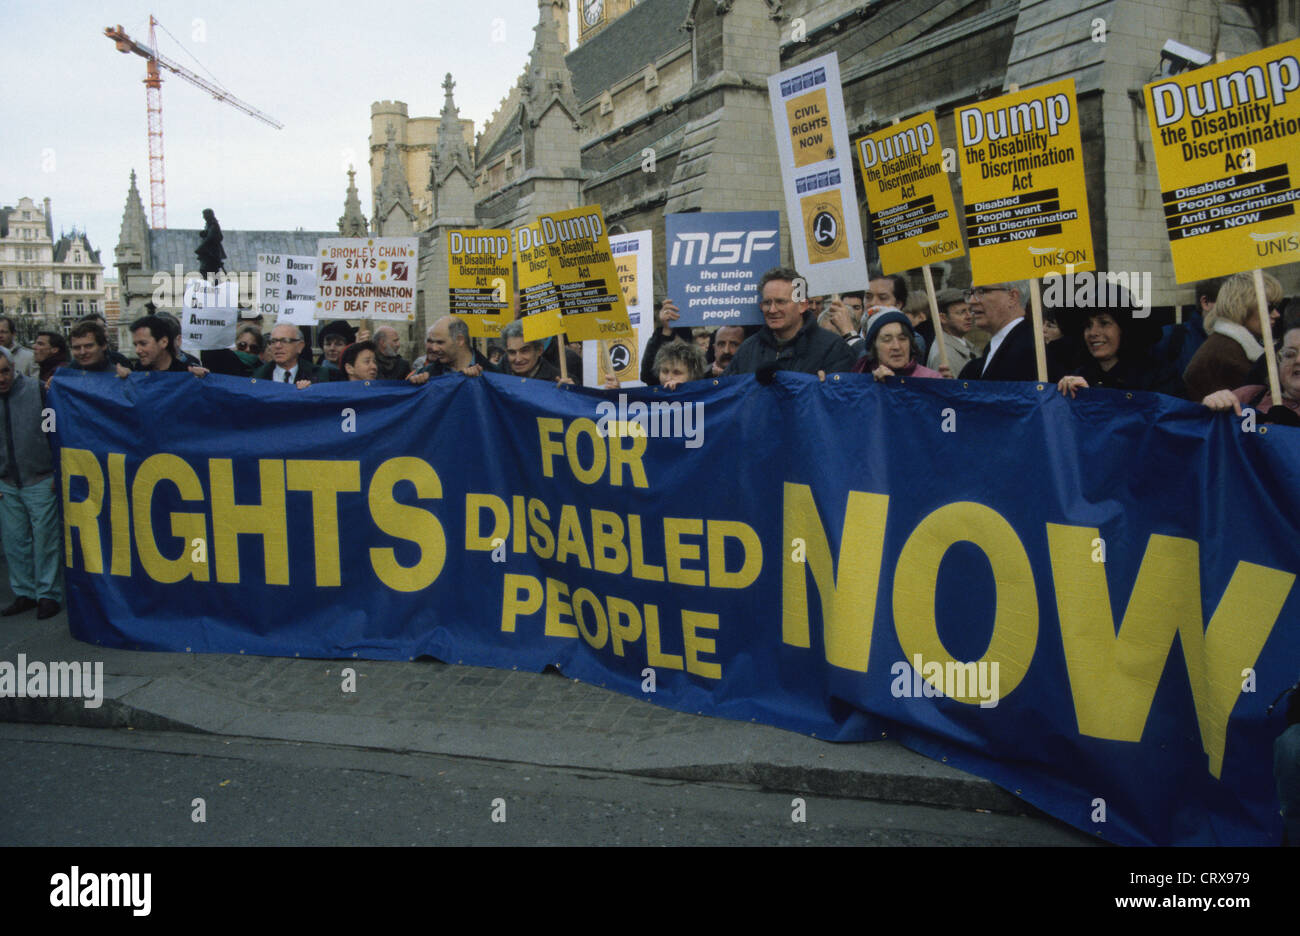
(267,520)
(594,472)
(607,550)
(676,552)
(600,636)
(556,605)
(519,538)
(119,515)
(1015,616)
(185,526)
(628,457)
(652,646)
(752,549)
(1113,677)
(541,540)
(569,538)
(83,516)
(474,504)
(407,522)
(640,568)
(694,644)
(513,604)
(325,480)
(548,426)
(847,588)
(622,609)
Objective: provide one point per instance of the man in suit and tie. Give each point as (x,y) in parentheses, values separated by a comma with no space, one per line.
(1010,354)
(287,365)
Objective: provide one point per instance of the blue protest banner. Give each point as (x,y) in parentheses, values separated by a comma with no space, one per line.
(1090,602)
(715,260)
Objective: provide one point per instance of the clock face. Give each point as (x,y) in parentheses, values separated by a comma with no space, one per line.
(592,11)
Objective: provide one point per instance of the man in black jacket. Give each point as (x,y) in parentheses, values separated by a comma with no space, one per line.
(154,347)
(89,344)
(524,358)
(1010,354)
(287,365)
(790,339)
(450,350)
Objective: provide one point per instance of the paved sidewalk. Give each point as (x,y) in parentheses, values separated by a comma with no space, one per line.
(466,711)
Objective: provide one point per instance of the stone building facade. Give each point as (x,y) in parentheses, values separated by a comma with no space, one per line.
(665,107)
(46,283)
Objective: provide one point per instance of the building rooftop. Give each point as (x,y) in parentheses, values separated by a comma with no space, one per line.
(65,242)
(627,45)
(176,246)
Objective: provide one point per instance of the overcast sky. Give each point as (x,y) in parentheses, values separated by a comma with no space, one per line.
(75,119)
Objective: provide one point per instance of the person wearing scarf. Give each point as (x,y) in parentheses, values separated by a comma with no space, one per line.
(892,347)
(1259,397)
(1235,333)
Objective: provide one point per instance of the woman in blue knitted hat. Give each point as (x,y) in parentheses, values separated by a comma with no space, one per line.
(891,347)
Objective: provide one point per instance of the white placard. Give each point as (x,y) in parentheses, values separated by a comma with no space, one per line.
(270,284)
(298,306)
(366,277)
(821,199)
(634,259)
(209,315)
(286,288)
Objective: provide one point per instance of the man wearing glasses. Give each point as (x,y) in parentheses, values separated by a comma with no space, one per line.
(1010,354)
(287,364)
(790,339)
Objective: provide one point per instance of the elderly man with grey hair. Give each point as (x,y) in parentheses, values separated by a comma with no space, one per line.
(287,364)
(450,350)
(1010,354)
(388,347)
(524,358)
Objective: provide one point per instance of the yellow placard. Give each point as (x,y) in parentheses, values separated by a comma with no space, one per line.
(539,305)
(583,274)
(1227,140)
(808,117)
(1022,181)
(481,280)
(909,201)
(823,225)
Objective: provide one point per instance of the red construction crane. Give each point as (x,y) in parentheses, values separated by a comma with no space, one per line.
(153,96)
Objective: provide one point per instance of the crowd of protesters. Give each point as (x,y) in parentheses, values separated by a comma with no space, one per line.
(1215,357)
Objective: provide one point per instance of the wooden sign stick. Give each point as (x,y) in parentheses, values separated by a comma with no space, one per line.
(1035,304)
(934,317)
(1040,349)
(564,358)
(1266,329)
